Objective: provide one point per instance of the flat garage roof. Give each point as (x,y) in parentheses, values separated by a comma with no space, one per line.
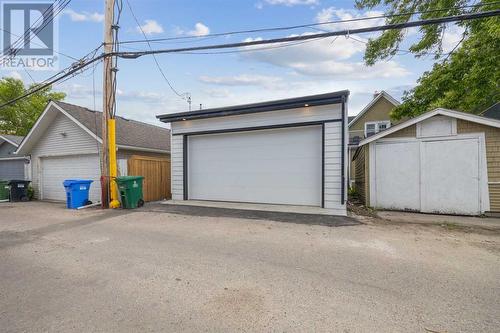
(282,104)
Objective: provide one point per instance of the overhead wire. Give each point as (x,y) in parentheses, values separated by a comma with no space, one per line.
(132,55)
(184,96)
(310,25)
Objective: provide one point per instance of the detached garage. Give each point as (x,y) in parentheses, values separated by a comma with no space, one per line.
(65,143)
(444,162)
(288,152)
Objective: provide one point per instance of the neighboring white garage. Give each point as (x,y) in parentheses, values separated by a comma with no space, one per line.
(289,152)
(54,170)
(441,162)
(65,143)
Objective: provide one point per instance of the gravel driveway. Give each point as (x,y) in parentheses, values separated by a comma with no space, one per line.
(146,270)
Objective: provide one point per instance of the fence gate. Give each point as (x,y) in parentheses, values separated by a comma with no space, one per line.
(156,173)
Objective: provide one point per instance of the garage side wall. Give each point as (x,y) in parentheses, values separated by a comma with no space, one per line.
(62,137)
(492,136)
(333,167)
(176,166)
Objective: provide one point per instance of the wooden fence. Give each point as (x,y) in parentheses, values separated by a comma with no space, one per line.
(156,173)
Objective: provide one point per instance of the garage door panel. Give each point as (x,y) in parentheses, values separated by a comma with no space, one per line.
(281,166)
(397,178)
(450,176)
(55,170)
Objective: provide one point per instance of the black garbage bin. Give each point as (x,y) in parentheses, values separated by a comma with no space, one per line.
(19,190)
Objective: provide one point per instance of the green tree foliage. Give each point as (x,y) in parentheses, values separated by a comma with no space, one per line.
(466,79)
(19,117)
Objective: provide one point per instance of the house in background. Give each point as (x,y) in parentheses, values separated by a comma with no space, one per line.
(12,166)
(374,118)
(65,143)
(443,161)
(492,112)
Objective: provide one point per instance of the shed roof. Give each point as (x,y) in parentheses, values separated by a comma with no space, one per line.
(12,139)
(444,112)
(282,104)
(493,111)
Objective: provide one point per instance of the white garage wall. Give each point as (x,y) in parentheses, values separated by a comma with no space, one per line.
(299,115)
(75,142)
(333,167)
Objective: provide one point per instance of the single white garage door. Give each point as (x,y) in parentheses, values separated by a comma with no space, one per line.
(431,176)
(55,170)
(278,166)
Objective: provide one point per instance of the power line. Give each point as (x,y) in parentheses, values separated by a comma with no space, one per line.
(184,96)
(393,26)
(133,55)
(305,25)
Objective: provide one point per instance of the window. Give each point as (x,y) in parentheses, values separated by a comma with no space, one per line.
(374,127)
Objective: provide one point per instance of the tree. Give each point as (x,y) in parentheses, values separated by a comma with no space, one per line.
(466,79)
(18,118)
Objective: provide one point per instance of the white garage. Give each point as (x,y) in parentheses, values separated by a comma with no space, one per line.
(54,170)
(65,143)
(287,152)
(442,162)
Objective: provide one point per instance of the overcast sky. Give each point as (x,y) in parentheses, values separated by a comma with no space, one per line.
(226,79)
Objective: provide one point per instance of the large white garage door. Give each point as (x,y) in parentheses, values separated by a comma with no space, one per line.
(432,176)
(278,166)
(55,170)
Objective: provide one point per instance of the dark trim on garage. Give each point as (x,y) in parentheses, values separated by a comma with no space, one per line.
(258,128)
(323,165)
(342,172)
(185,167)
(283,104)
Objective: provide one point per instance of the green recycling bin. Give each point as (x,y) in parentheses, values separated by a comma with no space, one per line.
(4,190)
(130,189)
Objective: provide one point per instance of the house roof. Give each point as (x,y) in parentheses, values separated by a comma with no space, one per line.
(282,104)
(380,95)
(493,111)
(130,134)
(14,140)
(443,112)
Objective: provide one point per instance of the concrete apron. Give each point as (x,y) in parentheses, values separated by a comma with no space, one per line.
(253,206)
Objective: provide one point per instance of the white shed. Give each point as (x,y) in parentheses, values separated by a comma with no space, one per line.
(290,152)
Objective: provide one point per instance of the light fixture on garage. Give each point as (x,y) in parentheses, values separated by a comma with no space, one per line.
(183,118)
(63,134)
(306,105)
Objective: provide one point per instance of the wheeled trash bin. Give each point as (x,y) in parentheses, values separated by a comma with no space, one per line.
(77,192)
(19,190)
(130,188)
(4,190)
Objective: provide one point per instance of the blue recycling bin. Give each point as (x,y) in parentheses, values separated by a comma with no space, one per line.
(77,192)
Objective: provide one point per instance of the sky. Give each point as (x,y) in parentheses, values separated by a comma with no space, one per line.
(215,80)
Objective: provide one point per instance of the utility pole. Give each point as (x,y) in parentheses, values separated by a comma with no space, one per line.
(107,96)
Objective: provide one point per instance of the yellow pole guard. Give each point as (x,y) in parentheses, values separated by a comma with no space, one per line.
(115,203)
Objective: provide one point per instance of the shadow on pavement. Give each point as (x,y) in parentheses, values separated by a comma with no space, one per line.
(312,219)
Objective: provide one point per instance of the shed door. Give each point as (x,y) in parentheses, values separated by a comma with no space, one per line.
(278,166)
(450,176)
(54,170)
(397,175)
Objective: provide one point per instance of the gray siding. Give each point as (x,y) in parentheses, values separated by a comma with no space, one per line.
(12,169)
(176,167)
(6,150)
(52,143)
(333,167)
